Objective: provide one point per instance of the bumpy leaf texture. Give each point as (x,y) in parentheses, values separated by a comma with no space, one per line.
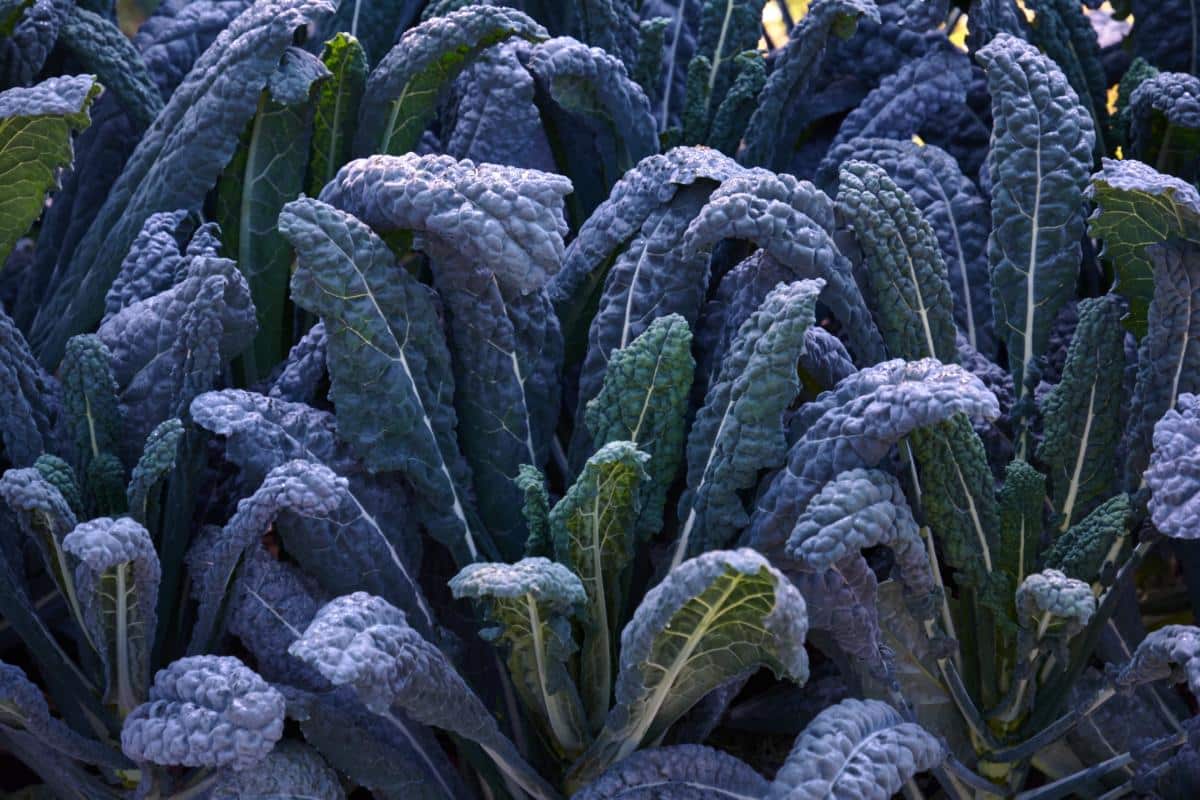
(1039,161)
(793,222)
(1168,356)
(739,430)
(335,107)
(1051,594)
(902,264)
(856,750)
(1164,33)
(1164,123)
(385,352)
(91,415)
(958,214)
(402,92)
(300,375)
(25,50)
(1065,34)
(291,770)
(1170,653)
(1081,552)
(205,711)
(682,771)
(177,162)
(157,259)
(104,50)
(1020,502)
(1082,413)
(1174,473)
(855,425)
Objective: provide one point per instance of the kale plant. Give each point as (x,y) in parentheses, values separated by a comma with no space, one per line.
(599,399)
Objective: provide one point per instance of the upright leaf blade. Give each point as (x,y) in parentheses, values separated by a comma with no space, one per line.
(335,114)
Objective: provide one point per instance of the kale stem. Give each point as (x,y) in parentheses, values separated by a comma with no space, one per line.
(977,782)
(1070,784)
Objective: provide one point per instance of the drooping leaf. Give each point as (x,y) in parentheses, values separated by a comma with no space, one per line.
(739,430)
(376,25)
(1168,356)
(861,749)
(1038,164)
(103,49)
(592,528)
(36,124)
(299,380)
(644,401)
(1082,413)
(685,770)
(29,396)
(711,618)
(905,275)
(385,350)
(1174,472)
(531,603)
(363,642)
(793,222)
(1164,126)
(116,576)
(795,72)
(1170,653)
(205,711)
(177,162)
(402,91)
(855,425)
(291,771)
(1137,206)
(58,473)
(91,415)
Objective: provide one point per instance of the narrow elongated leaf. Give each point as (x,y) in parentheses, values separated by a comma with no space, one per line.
(177,162)
(1083,413)
(90,400)
(385,350)
(292,771)
(906,277)
(856,750)
(116,575)
(797,67)
(593,532)
(793,222)
(644,401)
(299,380)
(157,259)
(532,603)
(1038,163)
(1137,206)
(36,124)
(267,171)
(739,429)
(103,49)
(31,31)
(711,618)
(362,642)
(1065,34)
(1169,356)
(1164,129)
(1083,550)
(335,112)
(156,463)
(729,123)
(1020,502)
(855,425)
(726,28)
(403,90)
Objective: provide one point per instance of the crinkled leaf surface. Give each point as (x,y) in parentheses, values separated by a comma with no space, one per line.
(682,771)
(1174,472)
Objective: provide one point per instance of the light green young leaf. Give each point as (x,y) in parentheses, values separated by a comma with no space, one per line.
(711,618)
(36,124)
(532,603)
(593,531)
(335,117)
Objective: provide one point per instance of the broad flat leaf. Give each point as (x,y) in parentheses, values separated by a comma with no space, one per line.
(739,430)
(644,401)
(385,352)
(177,162)
(1174,473)
(592,527)
(856,750)
(683,771)
(856,424)
(1168,363)
(266,171)
(403,90)
(531,603)
(1137,206)
(1038,164)
(335,111)
(1082,414)
(116,576)
(363,642)
(796,69)
(102,48)
(906,280)
(711,618)
(36,124)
